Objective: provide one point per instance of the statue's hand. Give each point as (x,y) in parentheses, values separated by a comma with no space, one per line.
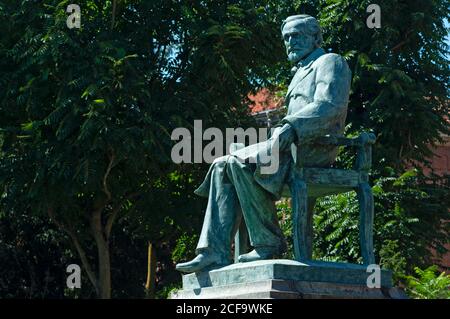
(285,135)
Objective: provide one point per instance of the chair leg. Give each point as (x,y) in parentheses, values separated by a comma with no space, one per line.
(241,241)
(301,231)
(366,215)
(310,215)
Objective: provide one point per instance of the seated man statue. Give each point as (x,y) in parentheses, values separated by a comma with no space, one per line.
(317,101)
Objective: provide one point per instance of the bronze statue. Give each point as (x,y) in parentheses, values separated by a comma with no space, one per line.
(317,101)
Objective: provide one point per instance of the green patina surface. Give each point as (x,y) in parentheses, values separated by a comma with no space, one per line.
(306,141)
(339,273)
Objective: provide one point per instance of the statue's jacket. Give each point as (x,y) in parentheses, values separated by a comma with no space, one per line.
(317,101)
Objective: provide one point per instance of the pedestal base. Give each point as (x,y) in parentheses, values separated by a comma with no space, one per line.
(286,279)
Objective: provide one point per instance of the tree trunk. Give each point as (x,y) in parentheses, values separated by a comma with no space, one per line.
(79,248)
(104,270)
(151,272)
(104,262)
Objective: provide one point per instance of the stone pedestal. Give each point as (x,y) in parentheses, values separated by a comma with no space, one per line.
(286,279)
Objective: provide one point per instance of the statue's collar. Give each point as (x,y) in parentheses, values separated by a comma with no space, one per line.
(306,62)
(311,57)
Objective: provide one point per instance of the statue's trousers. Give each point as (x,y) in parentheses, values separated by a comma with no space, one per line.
(233,194)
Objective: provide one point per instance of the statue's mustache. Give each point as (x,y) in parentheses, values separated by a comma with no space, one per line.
(292,49)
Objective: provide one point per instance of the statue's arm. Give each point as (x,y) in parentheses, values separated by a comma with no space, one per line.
(333,79)
(286,136)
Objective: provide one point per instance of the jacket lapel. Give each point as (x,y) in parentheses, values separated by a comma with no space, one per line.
(305,70)
(299,76)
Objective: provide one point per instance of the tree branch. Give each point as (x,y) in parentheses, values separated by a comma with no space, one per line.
(115,212)
(78,247)
(113,15)
(105,177)
(398,46)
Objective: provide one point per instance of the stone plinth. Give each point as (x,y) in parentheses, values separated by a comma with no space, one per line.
(286,279)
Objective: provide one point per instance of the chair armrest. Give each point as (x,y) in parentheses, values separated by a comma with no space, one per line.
(362,140)
(363,144)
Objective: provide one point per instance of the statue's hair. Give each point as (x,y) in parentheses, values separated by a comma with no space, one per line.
(311,26)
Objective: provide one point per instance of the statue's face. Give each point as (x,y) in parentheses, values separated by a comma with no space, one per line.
(298,43)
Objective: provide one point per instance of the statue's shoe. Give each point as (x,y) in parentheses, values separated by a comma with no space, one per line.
(201,262)
(259,253)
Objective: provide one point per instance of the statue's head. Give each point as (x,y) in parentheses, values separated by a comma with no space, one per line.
(302,35)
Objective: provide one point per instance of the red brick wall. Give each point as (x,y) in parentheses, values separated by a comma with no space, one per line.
(441,165)
(441,161)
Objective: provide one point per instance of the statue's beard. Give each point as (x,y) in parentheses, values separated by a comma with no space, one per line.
(297,55)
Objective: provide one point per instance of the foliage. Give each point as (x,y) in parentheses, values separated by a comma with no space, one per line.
(31,252)
(184,248)
(284,214)
(408,222)
(392,258)
(87,113)
(168,290)
(429,285)
(399,84)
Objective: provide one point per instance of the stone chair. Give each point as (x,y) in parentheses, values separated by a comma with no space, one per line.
(306,184)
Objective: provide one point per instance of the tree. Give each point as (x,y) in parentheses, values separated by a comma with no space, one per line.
(87,113)
(399,84)
(32,251)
